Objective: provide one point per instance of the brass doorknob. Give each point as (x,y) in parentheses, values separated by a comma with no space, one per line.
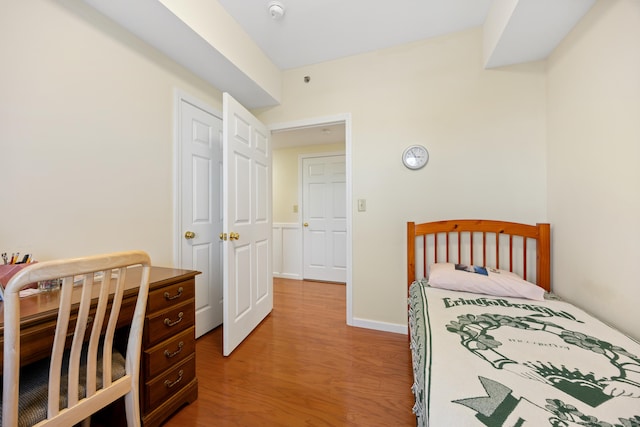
(306,224)
(189,235)
(234,236)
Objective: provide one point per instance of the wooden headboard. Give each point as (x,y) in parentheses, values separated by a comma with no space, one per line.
(498,244)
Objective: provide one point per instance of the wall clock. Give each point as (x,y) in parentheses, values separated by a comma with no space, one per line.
(415,157)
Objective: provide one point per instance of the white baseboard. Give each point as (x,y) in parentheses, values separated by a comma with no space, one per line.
(287,276)
(380,326)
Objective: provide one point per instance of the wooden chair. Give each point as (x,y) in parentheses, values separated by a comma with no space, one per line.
(78,381)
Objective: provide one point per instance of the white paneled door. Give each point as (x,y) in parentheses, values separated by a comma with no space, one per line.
(248,271)
(324,218)
(201,213)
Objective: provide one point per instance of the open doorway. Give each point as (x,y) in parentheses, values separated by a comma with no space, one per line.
(292,143)
(324,216)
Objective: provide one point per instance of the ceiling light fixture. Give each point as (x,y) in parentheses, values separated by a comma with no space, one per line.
(276,10)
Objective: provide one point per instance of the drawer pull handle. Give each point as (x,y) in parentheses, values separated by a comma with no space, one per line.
(178,295)
(169,355)
(170,323)
(169,384)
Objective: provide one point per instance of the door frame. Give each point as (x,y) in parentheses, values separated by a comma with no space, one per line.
(178,97)
(327,120)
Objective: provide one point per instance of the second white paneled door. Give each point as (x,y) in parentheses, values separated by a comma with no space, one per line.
(324,218)
(201,210)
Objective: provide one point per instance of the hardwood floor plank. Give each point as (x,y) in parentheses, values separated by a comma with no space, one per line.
(303,366)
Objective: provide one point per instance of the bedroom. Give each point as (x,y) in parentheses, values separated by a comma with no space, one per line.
(84,100)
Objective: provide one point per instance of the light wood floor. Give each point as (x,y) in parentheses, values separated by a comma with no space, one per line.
(303,366)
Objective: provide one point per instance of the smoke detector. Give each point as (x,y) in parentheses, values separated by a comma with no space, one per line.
(276,10)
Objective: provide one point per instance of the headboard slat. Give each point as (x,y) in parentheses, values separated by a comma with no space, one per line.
(435,247)
(424,251)
(497,236)
(524,248)
(511,252)
(484,247)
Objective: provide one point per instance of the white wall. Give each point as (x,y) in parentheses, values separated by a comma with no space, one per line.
(86,134)
(593,162)
(485,131)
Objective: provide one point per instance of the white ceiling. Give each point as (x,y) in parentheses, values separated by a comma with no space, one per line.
(314,31)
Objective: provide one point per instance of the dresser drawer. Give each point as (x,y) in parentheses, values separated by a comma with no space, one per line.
(169,382)
(164,324)
(171,295)
(167,372)
(169,352)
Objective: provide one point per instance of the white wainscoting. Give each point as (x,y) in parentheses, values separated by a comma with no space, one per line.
(287,250)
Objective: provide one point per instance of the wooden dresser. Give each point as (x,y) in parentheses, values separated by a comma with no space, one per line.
(168,366)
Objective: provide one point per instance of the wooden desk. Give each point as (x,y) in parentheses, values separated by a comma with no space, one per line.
(170,290)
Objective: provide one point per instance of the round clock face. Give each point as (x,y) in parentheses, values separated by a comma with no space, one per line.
(415,157)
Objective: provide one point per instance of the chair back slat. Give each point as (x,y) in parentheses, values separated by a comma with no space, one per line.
(59,344)
(96,329)
(77,342)
(111,326)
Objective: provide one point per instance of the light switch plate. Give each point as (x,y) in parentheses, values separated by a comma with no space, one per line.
(362,205)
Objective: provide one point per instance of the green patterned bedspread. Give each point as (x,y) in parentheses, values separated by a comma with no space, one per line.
(498,361)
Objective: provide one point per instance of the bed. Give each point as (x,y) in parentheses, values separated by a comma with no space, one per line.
(491,346)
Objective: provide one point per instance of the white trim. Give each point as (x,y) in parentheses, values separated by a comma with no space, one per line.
(287,276)
(381,326)
(178,97)
(349,160)
(320,154)
(312,122)
(318,121)
(285,251)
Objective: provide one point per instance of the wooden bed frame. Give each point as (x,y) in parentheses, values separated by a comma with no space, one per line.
(481,242)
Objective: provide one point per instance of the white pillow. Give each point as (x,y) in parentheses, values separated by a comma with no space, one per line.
(490,281)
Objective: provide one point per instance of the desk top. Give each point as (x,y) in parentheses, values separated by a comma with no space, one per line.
(43,306)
